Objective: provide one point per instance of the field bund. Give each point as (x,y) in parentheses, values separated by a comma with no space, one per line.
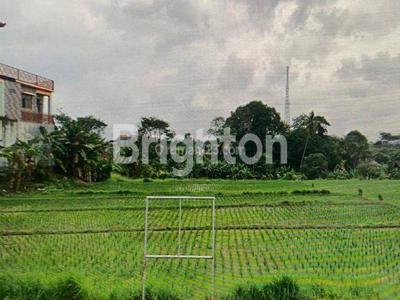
(319,233)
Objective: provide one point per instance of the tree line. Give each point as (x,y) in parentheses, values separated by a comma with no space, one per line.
(77,148)
(312,152)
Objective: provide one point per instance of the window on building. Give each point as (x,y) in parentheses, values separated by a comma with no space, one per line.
(27,101)
(39,104)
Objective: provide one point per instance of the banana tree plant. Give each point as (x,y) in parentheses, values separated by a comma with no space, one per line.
(78,147)
(23,159)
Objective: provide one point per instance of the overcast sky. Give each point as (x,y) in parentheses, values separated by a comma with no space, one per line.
(190,61)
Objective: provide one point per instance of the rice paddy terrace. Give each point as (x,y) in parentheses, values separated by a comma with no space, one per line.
(335,238)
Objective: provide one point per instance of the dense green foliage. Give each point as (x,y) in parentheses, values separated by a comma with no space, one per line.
(315,166)
(282,289)
(387,154)
(75,148)
(255,118)
(26,161)
(308,142)
(78,149)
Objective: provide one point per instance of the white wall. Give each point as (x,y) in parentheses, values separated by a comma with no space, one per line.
(11,131)
(8,132)
(28,131)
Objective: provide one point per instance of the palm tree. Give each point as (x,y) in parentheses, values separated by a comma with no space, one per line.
(314,125)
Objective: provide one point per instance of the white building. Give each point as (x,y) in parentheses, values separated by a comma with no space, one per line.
(25,104)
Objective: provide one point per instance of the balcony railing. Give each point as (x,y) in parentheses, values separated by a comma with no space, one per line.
(29,116)
(27,77)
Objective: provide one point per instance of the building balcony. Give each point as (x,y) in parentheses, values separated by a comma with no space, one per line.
(27,77)
(33,117)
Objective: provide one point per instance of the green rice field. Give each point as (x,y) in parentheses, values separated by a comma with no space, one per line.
(336,239)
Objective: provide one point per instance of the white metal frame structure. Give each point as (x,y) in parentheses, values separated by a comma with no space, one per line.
(179,255)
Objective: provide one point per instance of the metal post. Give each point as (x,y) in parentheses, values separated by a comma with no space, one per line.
(180,225)
(145,251)
(179,255)
(213,250)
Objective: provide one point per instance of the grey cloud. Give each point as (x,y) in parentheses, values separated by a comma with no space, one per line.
(186,13)
(381,19)
(333,22)
(165,24)
(305,9)
(381,68)
(260,12)
(361,21)
(237,74)
(124,59)
(276,75)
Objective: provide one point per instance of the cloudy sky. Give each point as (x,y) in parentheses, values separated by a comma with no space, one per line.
(189,61)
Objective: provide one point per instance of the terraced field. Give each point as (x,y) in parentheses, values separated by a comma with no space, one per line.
(336,244)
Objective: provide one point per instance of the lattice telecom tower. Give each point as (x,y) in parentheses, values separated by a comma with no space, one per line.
(287,100)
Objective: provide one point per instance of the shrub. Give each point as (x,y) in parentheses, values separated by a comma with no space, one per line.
(307,192)
(291,175)
(29,288)
(339,173)
(218,170)
(282,289)
(148,171)
(241,172)
(18,289)
(370,170)
(315,166)
(23,163)
(69,289)
(395,173)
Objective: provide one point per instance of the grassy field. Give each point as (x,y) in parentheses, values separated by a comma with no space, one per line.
(330,237)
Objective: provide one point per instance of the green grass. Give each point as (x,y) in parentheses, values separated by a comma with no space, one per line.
(131,218)
(333,245)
